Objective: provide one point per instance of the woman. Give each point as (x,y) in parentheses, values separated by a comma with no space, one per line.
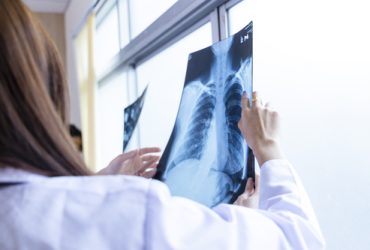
(50,200)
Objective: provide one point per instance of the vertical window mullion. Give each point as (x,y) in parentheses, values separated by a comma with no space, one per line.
(219,23)
(125,36)
(222,21)
(120,24)
(124,22)
(214,19)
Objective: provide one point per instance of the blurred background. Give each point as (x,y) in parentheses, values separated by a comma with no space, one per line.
(311,61)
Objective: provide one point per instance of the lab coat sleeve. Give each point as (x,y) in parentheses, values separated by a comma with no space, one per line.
(285,219)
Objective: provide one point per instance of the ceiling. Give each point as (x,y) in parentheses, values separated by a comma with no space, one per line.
(47,6)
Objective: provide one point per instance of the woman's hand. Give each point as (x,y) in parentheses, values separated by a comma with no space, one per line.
(140,162)
(259,125)
(250,197)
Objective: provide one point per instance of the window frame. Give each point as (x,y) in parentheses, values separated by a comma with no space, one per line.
(181,19)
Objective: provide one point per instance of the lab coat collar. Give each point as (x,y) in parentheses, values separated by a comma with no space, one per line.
(13,175)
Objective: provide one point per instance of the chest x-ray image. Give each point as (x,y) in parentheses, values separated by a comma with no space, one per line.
(207,158)
(131,116)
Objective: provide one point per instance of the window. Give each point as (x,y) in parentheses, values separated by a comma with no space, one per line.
(106,39)
(112,97)
(165,75)
(238,16)
(146,60)
(307,56)
(144,12)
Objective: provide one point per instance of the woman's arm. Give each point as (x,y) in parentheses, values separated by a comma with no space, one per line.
(284,218)
(283,221)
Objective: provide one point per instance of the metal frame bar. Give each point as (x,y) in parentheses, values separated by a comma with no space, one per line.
(214,16)
(118,69)
(231,3)
(123,21)
(180,17)
(177,38)
(223,22)
(98,5)
(103,10)
(184,17)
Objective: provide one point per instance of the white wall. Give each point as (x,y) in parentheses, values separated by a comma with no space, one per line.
(74,18)
(55,25)
(312,60)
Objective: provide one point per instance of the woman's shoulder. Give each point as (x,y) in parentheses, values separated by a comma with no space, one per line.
(90,206)
(93,185)
(101,184)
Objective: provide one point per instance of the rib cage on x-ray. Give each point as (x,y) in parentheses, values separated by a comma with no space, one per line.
(197,133)
(206,158)
(232,100)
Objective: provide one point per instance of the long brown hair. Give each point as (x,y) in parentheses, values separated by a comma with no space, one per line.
(33,98)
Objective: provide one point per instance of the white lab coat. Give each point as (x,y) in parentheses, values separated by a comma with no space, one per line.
(124,212)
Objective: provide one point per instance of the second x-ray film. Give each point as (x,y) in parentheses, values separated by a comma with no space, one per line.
(131,117)
(207,158)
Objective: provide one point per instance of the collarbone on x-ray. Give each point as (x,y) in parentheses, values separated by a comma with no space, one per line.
(206,157)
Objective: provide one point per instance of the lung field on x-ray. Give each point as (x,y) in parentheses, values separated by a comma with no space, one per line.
(197,132)
(206,157)
(232,100)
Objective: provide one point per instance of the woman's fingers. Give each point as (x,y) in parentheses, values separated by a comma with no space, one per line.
(141,153)
(150,157)
(245,101)
(133,162)
(148,169)
(148,175)
(130,166)
(148,150)
(257,183)
(256,100)
(124,156)
(249,188)
(145,165)
(268,105)
(250,196)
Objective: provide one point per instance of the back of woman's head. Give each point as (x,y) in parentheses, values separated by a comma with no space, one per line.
(33,97)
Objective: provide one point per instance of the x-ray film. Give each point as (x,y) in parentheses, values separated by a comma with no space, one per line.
(131,117)
(207,158)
